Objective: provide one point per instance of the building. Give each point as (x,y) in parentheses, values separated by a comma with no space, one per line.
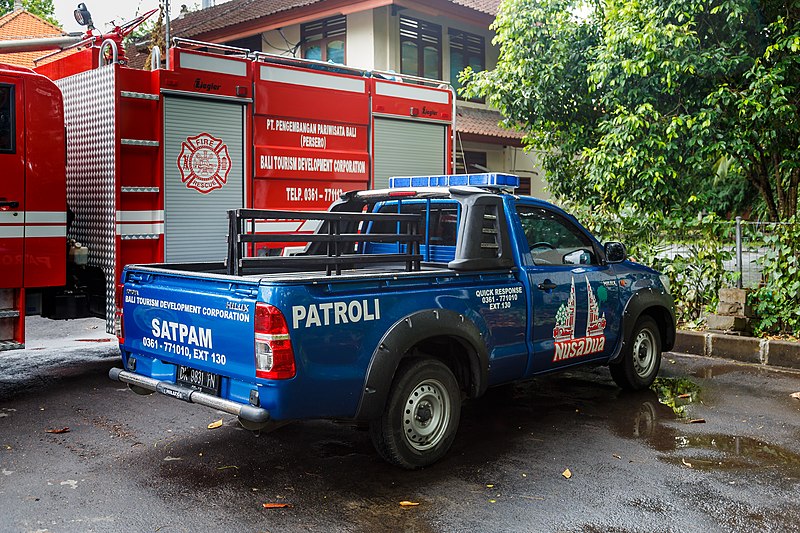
(19,25)
(434,39)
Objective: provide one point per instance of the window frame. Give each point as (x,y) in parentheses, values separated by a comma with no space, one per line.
(571,225)
(12,118)
(468,42)
(329,30)
(424,32)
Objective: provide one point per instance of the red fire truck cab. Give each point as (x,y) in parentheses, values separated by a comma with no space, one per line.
(155,158)
(33,217)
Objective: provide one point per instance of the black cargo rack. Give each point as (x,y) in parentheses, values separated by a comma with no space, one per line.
(333,245)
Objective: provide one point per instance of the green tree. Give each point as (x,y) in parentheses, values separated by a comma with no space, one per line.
(41,8)
(654,105)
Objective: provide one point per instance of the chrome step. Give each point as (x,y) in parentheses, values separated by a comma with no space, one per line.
(11,345)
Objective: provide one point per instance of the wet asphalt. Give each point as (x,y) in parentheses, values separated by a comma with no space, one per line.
(132,463)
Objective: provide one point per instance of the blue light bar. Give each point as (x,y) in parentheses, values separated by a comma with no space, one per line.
(456,180)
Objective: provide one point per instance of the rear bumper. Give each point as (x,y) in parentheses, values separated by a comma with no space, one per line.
(250,413)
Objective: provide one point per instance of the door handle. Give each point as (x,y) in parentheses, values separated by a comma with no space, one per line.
(4,204)
(546,285)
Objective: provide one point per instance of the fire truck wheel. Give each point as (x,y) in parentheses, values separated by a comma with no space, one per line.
(421,416)
(641,357)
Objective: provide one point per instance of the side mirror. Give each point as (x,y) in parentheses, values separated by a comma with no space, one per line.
(615,252)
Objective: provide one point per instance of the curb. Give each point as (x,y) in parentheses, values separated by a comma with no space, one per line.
(745,349)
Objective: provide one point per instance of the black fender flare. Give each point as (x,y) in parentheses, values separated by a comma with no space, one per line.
(405,334)
(653,302)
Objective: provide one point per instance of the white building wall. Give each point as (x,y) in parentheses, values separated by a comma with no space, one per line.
(360,47)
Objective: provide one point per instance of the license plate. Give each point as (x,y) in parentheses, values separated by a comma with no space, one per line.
(206,381)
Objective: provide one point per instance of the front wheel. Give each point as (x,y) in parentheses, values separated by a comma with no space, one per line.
(641,357)
(421,416)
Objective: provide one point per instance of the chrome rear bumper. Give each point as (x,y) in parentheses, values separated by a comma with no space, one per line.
(250,413)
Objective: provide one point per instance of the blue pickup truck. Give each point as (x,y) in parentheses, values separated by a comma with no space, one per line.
(404,302)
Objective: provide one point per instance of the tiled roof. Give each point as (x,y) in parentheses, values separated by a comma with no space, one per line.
(19,25)
(23,25)
(484,6)
(230,14)
(238,11)
(483,122)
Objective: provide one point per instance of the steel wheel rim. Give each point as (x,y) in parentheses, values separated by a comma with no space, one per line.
(426,415)
(644,353)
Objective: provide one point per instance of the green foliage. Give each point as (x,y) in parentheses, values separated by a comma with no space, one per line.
(777,301)
(633,103)
(690,252)
(41,8)
(676,393)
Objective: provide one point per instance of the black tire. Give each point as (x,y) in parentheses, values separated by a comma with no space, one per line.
(421,416)
(641,357)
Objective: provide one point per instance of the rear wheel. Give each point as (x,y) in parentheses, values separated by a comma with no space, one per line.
(641,357)
(421,416)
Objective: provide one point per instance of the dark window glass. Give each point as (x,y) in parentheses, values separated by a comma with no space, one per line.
(466,50)
(324,40)
(421,48)
(554,240)
(443,221)
(7,122)
(471,162)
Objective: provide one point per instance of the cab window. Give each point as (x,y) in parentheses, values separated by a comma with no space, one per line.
(6,119)
(554,240)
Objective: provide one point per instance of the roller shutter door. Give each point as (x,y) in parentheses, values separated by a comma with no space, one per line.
(408,148)
(203,176)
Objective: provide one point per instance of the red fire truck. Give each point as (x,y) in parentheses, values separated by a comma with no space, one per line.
(155,158)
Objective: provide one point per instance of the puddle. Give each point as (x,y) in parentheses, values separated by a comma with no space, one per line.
(676,393)
(728,452)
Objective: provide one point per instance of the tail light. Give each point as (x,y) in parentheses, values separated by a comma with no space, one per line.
(119,328)
(274,354)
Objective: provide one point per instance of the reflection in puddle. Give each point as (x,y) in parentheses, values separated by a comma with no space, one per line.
(676,393)
(727,452)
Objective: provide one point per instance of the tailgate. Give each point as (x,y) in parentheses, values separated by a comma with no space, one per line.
(204,323)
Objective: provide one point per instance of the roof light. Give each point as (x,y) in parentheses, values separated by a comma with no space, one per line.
(457,180)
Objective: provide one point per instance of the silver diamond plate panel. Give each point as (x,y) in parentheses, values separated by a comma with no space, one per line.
(90,118)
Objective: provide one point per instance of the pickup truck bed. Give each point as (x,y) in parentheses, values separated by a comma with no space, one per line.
(377,332)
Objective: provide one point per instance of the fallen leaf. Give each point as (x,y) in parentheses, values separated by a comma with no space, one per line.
(686,463)
(492,501)
(227,467)
(795,395)
(566,473)
(687,395)
(615,456)
(61,430)
(697,421)
(277,505)
(489,486)
(406,503)
(215,424)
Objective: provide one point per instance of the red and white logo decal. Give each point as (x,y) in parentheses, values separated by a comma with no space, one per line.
(567,346)
(204,163)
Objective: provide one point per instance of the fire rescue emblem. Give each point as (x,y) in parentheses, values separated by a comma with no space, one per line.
(204,163)
(566,345)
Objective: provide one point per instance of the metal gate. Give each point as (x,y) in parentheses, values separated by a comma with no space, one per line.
(203,176)
(408,148)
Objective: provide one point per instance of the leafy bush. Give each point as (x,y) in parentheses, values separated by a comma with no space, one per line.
(690,252)
(777,301)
